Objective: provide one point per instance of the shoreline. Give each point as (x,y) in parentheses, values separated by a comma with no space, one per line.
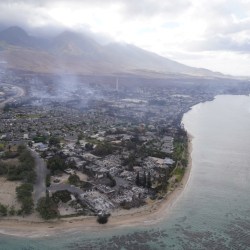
(146,215)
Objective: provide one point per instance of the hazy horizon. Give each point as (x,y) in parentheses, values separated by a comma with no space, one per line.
(213,35)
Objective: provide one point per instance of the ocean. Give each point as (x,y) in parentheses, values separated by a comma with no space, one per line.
(212,212)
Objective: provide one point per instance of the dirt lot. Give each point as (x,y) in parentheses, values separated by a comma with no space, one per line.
(8,192)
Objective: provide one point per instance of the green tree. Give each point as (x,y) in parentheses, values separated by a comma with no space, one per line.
(21,148)
(62,195)
(103,218)
(27,205)
(71,164)
(137,179)
(89,146)
(37,139)
(112,180)
(1,147)
(3,210)
(56,163)
(144,180)
(130,161)
(103,149)
(24,196)
(25,190)
(74,179)
(48,180)
(12,211)
(47,208)
(54,141)
(149,183)
(80,137)
(3,169)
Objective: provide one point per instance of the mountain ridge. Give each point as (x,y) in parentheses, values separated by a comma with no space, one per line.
(78,53)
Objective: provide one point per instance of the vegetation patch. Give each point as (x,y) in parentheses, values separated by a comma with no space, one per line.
(102,218)
(74,179)
(103,149)
(56,163)
(24,196)
(3,210)
(38,139)
(47,208)
(63,196)
(24,170)
(2,146)
(178,173)
(19,165)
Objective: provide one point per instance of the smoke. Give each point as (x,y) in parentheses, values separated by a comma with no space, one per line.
(68,90)
(48,90)
(3,65)
(42,89)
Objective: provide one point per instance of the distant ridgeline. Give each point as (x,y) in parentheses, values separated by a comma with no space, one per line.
(76,53)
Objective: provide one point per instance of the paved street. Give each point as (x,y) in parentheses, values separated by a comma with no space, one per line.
(41,172)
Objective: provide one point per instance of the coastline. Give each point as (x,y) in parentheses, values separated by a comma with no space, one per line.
(146,215)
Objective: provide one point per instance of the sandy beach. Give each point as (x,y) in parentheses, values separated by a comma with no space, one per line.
(33,227)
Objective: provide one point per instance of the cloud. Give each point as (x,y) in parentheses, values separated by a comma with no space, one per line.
(20,13)
(151,8)
(142,7)
(165,27)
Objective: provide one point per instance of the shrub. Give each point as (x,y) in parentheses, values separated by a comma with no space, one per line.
(3,210)
(63,196)
(48,180)
(103,218)
(25,190)
(103,149)
(74,179)
(1,147)
(47,208)
(56,163)
(12,211)
(54,141)
(27,205)
(3,169)
(24,196)
(24,170)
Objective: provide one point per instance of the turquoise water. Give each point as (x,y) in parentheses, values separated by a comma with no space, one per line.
(213,212)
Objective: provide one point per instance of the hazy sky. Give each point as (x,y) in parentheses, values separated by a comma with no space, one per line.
(213,34)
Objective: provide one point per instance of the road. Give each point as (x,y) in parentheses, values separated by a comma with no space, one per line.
(41,172)
(19,93)
(70,188)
